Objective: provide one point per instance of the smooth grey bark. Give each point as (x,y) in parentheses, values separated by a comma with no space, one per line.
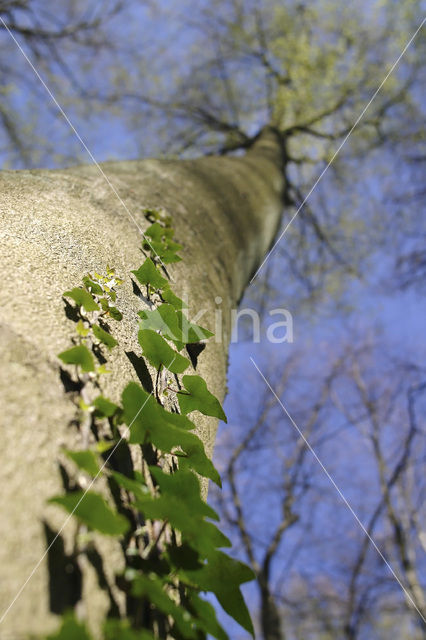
(58,225)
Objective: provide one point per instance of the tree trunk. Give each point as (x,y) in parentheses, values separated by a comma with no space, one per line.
(56,227)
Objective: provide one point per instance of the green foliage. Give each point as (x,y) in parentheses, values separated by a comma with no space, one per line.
(222,575)
(104,407)
(148,274)
(158,352)
(198,398)
(79,355)
(71,630)
(86,460)
(83,298)
(192,332)
(171,545)
(171,298)
(104,336)
(165,320)
(92,509)
(161,243)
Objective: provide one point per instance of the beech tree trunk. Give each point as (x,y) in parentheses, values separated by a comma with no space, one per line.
(58,225)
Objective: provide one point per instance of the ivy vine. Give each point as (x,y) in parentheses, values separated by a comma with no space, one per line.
(154,509)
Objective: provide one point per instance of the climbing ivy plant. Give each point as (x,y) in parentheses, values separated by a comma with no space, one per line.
(171,546)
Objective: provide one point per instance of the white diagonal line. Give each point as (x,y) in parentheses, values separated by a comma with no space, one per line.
(68,518)
(86,148)
(341,145)
(407,595)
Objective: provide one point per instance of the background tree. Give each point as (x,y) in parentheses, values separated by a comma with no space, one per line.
(318,573)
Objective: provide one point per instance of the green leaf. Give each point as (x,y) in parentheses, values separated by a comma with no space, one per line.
(85,460)
(183,484)
(70,630)
(94,286)
(82,298)
(115,313)
(155,231)
(158,352)
(81,329)
(104,336)
(164,319)
(223,576)
(137,487)
(160,241)
(168,296)
(192,332)
(101,370)
(152,588)
(92,509)
(148,421)
(166,251)
(168,256)
(145,408)
(105,445)
(187,516)
(206,617)
(149,274)
(121,630)
(105,407)
(196,459)
(79,355)
(183,556)
(199,398)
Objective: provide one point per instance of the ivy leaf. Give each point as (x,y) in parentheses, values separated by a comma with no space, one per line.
(166,251)
(161,243)
(149,422)
(199,398)
(81,329)
(149,274)
(85,460)
(141,406)
(105,407)
(104,336)
(169,256)
(101,370)
(155,231)
(152,588)
(158,352)
(168,296)
(196,459)
(196,532)
(223,576)
(183,484)
(82,298)
(164,319)
(183,556)
(94,286)
(115,313)
(120,629)
(92,509)
(70,630)
(192,332)
(78,355)
(137,487)
(206,617)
